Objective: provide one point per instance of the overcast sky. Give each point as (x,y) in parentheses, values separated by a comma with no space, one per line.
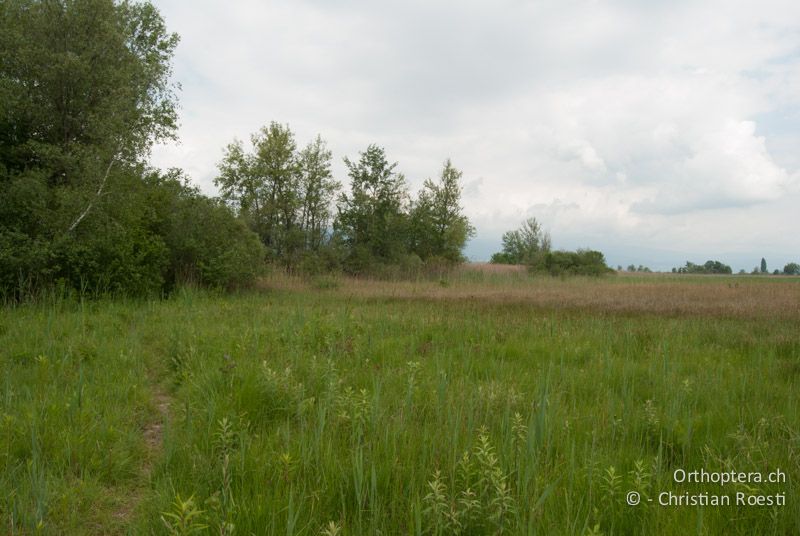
(655,131)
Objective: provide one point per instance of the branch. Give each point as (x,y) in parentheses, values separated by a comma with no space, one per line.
(97,195)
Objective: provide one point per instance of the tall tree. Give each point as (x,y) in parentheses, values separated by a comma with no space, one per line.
(438,226)
(84,92)
(85,86)
(317,190)
(371,219)
(262,187)
(763,265)
(276,162)
(284,195)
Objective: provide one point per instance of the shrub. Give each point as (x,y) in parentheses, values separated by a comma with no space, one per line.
(208,245)
(581,262)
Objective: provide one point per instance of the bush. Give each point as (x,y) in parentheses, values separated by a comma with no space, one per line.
(581,262)
(207,244)
(150,234)
(503,258)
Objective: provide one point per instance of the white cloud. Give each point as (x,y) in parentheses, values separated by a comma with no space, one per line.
(650,124)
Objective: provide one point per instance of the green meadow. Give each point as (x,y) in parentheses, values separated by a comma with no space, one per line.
(478,404)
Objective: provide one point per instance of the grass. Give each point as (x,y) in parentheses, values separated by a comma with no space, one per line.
(483,403)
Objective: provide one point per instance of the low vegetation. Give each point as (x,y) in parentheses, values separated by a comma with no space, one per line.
(487,402)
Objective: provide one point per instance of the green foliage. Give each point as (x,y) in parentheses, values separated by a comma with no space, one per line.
(763,265)
(207,245)
(114,249)
(581,262)
(438,228)
(317,191)
(284,195)
(503,258)
(184,519)
(526,245)
(149,234)
(82,81)
(710,267)
(530,245)
(372,222)
(791,269)
(481,501)
(85,91)
(262,187)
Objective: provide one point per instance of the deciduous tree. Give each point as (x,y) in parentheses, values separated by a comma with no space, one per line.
(263,187)
(525,245)
(371,220)
(317,191)
(439,227)
(84,92)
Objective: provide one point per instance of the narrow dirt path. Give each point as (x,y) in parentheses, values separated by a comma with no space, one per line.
(153,436)
(154,431)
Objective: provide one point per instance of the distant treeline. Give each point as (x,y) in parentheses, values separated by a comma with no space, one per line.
(710,267)
(717,267)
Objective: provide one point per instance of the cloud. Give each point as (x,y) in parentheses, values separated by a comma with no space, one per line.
(612,122)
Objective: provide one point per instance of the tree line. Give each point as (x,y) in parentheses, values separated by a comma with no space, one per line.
(307,222)
(717,267)
(791,268)
(85,92)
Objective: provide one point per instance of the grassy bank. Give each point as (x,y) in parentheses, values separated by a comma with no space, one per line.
(483,403)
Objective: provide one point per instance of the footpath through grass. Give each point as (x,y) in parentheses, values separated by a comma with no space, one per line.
(360,408)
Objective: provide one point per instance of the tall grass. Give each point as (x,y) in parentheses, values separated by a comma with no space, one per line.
(479,406)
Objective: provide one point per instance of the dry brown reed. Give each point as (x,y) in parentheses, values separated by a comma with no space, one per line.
(658,294)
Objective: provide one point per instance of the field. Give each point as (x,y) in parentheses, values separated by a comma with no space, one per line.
(481,403)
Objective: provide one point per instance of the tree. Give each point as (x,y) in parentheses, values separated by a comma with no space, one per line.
(371,222)
(86,88)
(263,188)
(525,245)
(438,226)
(276,162)
(284,195)
(317,191)
(763,266)
(84,92)
(792,269)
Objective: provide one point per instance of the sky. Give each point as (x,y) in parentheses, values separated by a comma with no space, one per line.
(654,131)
